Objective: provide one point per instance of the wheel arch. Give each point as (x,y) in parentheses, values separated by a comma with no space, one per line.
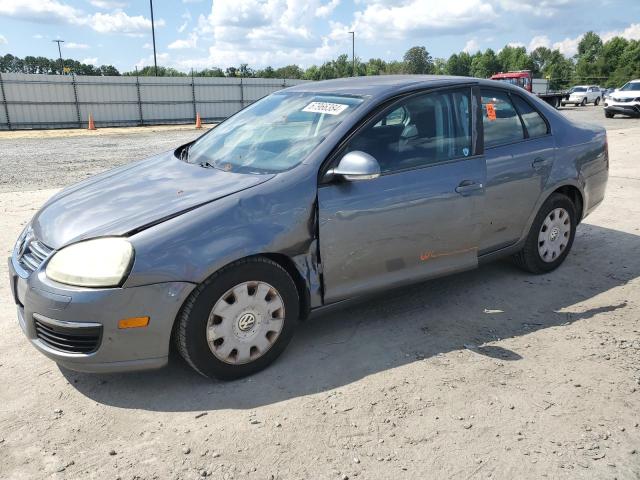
(284,261)
(575,195)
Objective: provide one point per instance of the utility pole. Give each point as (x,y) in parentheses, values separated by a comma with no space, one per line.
(60,53)
(153,35)
(353,52)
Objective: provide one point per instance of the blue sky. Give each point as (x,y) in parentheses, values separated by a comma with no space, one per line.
(205,33)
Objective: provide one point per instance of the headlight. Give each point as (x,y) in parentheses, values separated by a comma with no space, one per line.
(102,262)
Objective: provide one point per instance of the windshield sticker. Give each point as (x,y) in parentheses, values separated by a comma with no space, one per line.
(491,112)
(325,107)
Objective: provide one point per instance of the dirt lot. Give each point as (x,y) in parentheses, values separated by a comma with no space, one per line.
(489,374)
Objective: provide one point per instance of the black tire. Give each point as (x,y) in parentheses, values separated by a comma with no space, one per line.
(190,329)
(609,115)
(584,102)
(563,104)
(529,258)
(597,102)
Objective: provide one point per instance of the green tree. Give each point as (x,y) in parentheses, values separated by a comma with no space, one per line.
(459,64)
(588,69)
(418,61)
(514,58)
(483,65)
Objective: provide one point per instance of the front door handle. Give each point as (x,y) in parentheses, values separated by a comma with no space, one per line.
(540,162)
(468,186)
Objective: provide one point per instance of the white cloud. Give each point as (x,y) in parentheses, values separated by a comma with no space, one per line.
(539,41)
(74,45)
(107,4)
(632,32)
(163,59)
(538,8)
(190,42)
(90,60)
(471,46)
(183,27)
(568,47)
(44,11)
(147,46)
(3,40)
(37,36)
(54,11)
(120,22)
(323,11)
(399,20)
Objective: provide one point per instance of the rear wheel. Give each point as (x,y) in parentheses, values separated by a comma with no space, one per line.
(597,102)
(239,320)
(550,237)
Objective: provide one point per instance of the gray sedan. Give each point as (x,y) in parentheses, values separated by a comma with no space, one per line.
(309,198)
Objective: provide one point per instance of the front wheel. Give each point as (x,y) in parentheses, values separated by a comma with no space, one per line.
(550,237)
(609,115)
(239,320)
(584,102)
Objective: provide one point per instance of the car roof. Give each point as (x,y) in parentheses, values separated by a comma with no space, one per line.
(378,85)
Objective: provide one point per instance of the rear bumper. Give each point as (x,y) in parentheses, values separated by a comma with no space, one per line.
(60,322)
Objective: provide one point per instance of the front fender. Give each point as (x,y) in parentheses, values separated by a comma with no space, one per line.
(266,219)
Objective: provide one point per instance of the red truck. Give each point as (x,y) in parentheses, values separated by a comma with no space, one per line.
(537,86)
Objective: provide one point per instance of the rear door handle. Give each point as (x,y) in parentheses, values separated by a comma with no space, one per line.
(468,186)
(540,163)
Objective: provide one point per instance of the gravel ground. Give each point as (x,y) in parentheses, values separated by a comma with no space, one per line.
(29,163)
(488,374)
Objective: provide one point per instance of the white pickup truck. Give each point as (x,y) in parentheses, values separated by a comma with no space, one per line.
(583,94)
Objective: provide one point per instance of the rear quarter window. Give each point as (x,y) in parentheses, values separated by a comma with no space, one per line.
(500,119)
(534,123)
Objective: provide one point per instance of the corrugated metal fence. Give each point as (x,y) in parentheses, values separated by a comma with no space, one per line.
(65,101)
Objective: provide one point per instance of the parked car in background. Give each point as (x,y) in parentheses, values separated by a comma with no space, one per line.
(607,93)
(306,199)
(583,94)
(624,101)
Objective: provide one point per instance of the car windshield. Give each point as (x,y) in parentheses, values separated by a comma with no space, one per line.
(630,86)
(273,134)
(578,89)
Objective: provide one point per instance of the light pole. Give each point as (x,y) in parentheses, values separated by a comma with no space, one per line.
(153,35)
(60,53)
(353,52)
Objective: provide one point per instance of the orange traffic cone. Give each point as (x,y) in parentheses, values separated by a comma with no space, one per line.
(198,120)
(92,125)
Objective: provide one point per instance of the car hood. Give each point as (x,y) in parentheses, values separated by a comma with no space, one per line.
(134,197)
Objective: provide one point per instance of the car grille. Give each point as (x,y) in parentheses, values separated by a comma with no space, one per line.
(69,339)
(34,253)
(623,100)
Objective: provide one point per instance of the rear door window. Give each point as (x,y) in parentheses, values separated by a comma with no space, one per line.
(533,121)
(500,119)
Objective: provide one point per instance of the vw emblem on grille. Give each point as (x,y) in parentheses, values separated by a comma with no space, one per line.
(246,322)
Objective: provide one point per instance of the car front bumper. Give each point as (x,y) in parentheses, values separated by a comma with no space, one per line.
(573,100)
(78,327)
(631,109)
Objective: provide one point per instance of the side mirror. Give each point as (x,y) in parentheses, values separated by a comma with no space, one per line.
(357,165)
